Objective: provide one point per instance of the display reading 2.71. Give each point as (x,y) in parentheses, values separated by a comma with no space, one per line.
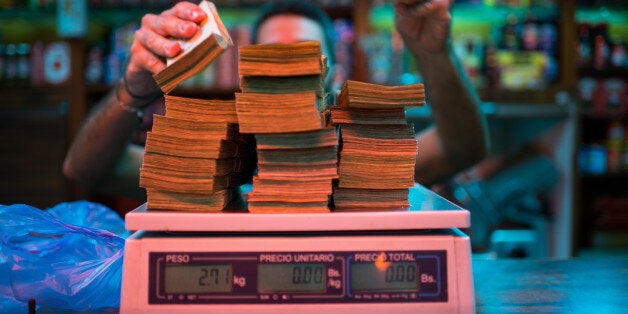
(198,278)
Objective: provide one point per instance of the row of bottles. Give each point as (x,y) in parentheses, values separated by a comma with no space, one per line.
(595,49)
(600,56)
(15,63)
(106,59)
(603,95)
(502,45)
(35,64)
(520,54)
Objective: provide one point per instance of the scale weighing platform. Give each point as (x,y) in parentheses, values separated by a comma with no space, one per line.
(368,262)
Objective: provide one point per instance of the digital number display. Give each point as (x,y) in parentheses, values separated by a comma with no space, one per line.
(198,278)
(385,276)
(291,278)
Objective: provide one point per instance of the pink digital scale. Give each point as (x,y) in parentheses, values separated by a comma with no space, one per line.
(414,261)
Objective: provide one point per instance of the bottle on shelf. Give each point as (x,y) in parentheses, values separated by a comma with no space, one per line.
(491,68)
(23,70)
(601,51)
(10,69)
(95,65)
(586,87)
(592,159)
(618,57)
(510,33)
(37,63)
(530,34)
(471,60)
(600,97)
(615,146)
(615,87)
(624,154)
(2,62)
(583,46)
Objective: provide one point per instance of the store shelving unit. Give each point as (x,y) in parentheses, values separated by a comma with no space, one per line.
(533,115)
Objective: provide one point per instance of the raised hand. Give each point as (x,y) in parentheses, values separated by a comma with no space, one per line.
(424,25)
(156,40)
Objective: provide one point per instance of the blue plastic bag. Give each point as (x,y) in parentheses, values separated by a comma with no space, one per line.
(59,264)
(88,214)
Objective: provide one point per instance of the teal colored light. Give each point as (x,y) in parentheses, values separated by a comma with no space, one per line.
(381,17)
(237,16)
(617,19)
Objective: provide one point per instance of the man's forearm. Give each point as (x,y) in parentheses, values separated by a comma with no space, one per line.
(100,142)
(454,104)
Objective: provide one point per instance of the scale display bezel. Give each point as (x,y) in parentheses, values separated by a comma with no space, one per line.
(430,277)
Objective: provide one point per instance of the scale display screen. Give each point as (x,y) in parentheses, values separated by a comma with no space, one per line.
(292,277)
(209,278)
(385,276)
(301,277)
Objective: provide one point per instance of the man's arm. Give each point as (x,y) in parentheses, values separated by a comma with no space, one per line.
(459,138)
(101,157)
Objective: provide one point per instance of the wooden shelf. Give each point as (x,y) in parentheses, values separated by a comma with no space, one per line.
(606,73)
(547,95)
(606,178)
(608,113)
(24,95)
(505,110)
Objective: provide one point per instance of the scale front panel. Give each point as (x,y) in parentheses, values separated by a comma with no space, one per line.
(390,271)
(297,277)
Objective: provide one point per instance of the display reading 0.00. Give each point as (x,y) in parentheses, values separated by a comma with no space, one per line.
(295,277)
(387,276)
(198,278)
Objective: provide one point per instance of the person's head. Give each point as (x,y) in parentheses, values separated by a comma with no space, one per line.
(293,21)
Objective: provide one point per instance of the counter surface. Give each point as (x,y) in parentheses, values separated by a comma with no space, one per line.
(551,286)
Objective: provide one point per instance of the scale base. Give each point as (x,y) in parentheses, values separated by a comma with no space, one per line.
(454,281)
